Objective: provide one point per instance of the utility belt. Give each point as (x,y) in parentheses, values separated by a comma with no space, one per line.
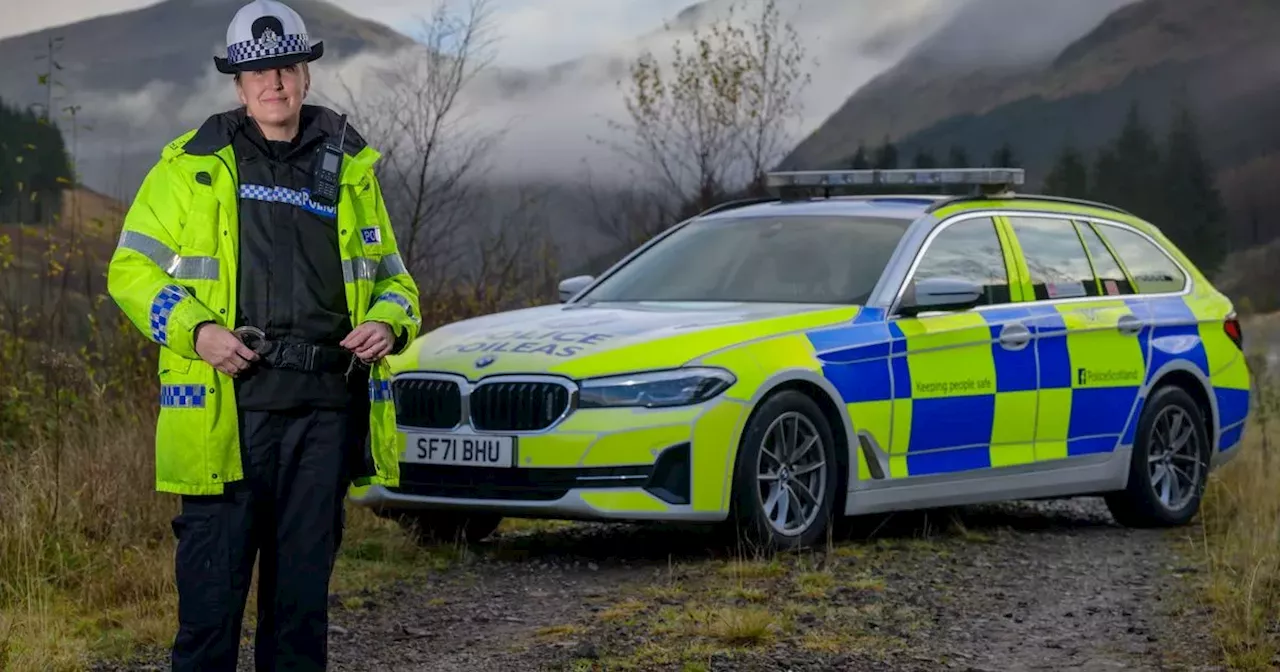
(299,356)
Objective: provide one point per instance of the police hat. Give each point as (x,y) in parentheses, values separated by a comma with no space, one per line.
(266,34)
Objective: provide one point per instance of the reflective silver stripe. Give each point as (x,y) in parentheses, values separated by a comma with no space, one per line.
(156,251)
(391,265)
(359,268)
(196,268)
(179,268)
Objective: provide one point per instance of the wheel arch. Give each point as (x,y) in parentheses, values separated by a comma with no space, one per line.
(1194,382)
(825,395)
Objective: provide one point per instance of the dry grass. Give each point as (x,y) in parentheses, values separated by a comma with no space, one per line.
(1240,543)
(86,545)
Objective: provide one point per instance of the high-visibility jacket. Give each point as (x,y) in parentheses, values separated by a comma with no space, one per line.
(175,267)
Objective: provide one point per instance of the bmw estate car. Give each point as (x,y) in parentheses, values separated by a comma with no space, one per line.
(777,362)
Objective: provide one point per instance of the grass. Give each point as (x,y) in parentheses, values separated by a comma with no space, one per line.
(86,546)
(1239,541)
(749,604)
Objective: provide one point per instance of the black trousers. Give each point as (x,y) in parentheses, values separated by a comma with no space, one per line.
(288,512)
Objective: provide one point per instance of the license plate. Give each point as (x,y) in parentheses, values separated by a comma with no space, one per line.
(460,450)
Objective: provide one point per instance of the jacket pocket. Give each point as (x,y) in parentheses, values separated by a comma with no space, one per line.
(183,425)
(199,235)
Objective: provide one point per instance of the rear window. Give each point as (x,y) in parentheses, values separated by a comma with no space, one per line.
(1152,270)
(790,258)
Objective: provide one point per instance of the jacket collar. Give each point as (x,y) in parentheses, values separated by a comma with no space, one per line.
(216,133)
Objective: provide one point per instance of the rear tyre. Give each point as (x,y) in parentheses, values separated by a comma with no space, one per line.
(785,477)
(436,527)
(1169,466)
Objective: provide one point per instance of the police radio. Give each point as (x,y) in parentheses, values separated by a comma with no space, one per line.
(328,168)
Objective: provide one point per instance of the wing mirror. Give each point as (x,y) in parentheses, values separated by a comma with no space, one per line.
(571,286)
(940,294)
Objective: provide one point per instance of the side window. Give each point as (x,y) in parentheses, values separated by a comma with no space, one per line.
(968,250)
(1152,270)
(1110,276)
(1055,258)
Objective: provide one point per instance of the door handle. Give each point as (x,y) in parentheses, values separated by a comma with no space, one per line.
(1015,336)
(1129,325)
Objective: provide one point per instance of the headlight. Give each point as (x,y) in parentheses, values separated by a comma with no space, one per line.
(679,387)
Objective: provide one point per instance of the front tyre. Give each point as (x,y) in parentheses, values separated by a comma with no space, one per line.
(785,477)
(1169,466)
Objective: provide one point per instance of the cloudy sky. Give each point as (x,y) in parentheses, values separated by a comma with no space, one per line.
(533,32)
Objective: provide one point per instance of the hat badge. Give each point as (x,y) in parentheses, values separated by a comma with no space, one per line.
(269,38)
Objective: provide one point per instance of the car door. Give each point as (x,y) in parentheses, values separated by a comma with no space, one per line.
(969,382)
(1090,358)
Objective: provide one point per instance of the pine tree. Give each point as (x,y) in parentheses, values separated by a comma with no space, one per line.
(1004,157)
(1196,215)
(859,160)
(1069,176)
(34,167)
(924,160)
(1127,173)
(958,158)
(886,157)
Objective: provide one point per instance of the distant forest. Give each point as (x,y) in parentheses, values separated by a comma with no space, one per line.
(1165,180)
(34,167)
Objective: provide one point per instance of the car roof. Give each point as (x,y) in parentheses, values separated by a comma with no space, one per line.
(913,207)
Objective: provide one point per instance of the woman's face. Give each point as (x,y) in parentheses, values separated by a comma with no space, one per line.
(274,97)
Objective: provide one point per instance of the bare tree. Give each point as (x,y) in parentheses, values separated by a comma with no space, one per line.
(712,121)
(433,160)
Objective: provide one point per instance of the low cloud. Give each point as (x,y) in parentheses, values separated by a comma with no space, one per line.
(551,121)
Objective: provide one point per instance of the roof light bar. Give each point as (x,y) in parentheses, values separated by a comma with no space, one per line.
(835,181)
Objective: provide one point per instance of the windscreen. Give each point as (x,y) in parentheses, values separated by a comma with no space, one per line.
(790,259)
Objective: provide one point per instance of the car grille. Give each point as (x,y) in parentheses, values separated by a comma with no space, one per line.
(435,404)
(517,406)
(523,406)
(512,484)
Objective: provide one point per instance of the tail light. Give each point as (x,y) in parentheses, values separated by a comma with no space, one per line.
(1231,325)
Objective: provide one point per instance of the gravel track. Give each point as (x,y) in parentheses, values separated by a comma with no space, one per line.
(1018,586)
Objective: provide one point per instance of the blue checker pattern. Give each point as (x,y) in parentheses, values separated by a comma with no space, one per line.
(947,422)
(301,199)
(182,396)
(866,361)
(1233,405)
(252,50)
(1231,438)
(379,390)
(162,309)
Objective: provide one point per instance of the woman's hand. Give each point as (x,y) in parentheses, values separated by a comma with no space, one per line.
(370,341)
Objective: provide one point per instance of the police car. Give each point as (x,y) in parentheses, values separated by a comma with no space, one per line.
(774,363)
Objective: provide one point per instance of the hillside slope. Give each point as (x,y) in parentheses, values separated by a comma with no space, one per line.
(1219,57)
(173,41)
(987,54)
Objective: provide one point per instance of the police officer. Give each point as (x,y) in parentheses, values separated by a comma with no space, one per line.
(259,255)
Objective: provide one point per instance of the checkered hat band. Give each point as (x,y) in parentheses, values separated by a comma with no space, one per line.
(253,50)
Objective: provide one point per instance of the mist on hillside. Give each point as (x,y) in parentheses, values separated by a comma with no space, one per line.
(551,118)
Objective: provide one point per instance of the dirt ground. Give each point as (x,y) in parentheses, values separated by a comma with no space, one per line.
(1019,586)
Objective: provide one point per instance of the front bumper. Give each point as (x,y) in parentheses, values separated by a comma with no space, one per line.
(616,464)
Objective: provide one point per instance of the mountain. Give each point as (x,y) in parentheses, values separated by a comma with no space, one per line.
(135,75)
(172,41)
(985,55)
(1217,56)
